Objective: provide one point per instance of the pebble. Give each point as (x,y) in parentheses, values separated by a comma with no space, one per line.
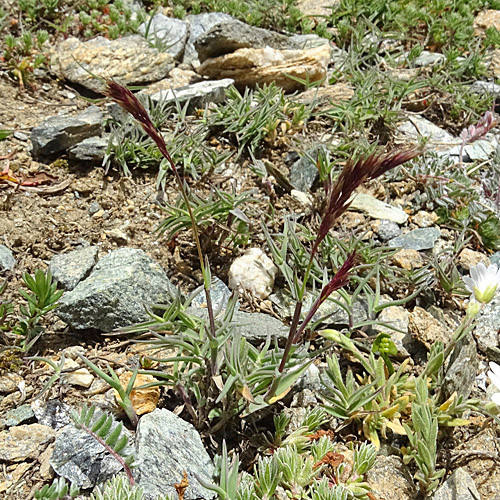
(24,442)
(424,219)
(387,230)
(469,258)
(408,259)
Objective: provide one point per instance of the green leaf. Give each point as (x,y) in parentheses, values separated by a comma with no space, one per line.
(4,134)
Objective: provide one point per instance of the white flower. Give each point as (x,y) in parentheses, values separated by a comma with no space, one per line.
(483,282)
(494,375)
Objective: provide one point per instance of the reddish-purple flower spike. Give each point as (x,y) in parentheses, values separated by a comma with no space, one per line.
(351,177)
(340,279)
(129,102)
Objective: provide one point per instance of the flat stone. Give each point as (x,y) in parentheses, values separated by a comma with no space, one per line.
(129,60)
(469,258)
(495,259)
(427,58)
(162,31)
(304,171)
(427,329)
(418,239)
(82,460)
(249,67)
(166,443)
(116,291)
(390,479)
(256,327)
(68,269)
(53,413)
(24,442)
(417,128)
(480,150)
(16,416)
(317,8)
(459,486)
(92,149)
(408,259)
(60,133)
(485,87)
(198,25)
(143,400)
(489,18)
(219,295)
(378,209)
(9,382)
(424,219)
(486,332)
(79,376)
(386,230)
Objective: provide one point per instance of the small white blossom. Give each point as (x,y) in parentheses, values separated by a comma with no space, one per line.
(494,375)
(483,282)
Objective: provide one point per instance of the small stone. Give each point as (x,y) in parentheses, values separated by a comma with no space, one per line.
(427,58)
(94,207)
(378,209)
(9,383)
(60,133)
(7,260)
(257,327)
(486,332)
(459,486)
(424,219)
(20,136)
(70,268)
(484,87)
(427,329)
(305,199)
(79,377)
(143,400)
(92,149)
(317,8)
(414,129)
(117,235)
(168,32)
(487,19)
(219,295)
(53,413)
(17,416)
(24,442)
(418,239)
(408,259)
(469,258)
(387,230)
(390,479)
(253,272)
(304,171)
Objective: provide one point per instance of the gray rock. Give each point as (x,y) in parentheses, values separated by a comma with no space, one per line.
(82,460)
(480,150)
(92,149)
(416,128)
(115,293)
(62,132)
(304,171)
(459,486)
(20,136)
(388,230)
(16,416)
(309,41)
(198,94)
(390,479)
(232,35)
(419,239)
(486,332)
(219,293)
(166,34)
(495,258)
(53,413)
(461,370)
(166,446)
(72,267)
(7,260)
(256,327)
(427,58)
(94,207)
(378,209)
(200,24)
(482,87)
(129,60)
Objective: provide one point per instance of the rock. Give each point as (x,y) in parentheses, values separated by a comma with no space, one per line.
(486,332)
(427,329)
(177,78)
(390,479)
(495,259)
(166,443)
(378,209)
(251,67)
(92,149)
(254,273)
(304,171)
(116,234)
(256,327)
(198,94)
(79,376)
(130,60)
(16,416)
(219,294)
(424,219)
(484,87)
(20,136)
(418,239)
(53,413)
(24,442)
(231,35)
(68,269)
(469,258)
(416,128)
(408,259)
(427,58)
(62,132)
(166,33)
(116,291)
(308,41)
(94,207)
(459,486)
(82,460)
(304,199)
(487,19)
(200,24)
(397,319)
(143,400)
(387,230)
(9,382)
(461,370)
(324,97)
(317,8)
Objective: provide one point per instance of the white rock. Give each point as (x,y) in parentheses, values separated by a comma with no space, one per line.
(80,376)
(253,272)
